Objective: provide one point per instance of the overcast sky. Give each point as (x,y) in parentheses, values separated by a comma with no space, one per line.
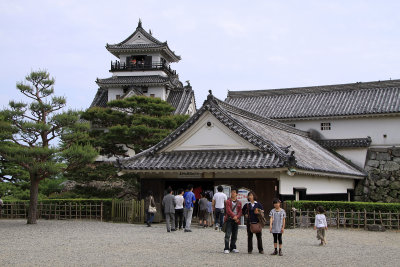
(224,45)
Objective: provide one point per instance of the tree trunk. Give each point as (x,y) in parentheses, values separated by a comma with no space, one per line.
(32,213)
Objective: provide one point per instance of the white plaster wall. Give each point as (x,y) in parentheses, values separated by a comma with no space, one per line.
(201,137)
(356,155)
(314,184)
(113,92)
(358,128)
(159,92)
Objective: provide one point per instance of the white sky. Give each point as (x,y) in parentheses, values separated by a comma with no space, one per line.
(225,45)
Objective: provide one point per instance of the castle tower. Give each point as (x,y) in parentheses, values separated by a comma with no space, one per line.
(143,68)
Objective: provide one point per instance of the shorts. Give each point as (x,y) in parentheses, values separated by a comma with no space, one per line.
(203,215)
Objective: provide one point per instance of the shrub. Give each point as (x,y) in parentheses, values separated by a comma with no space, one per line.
(344,205)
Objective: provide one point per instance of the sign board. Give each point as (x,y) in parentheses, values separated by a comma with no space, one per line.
(189,175)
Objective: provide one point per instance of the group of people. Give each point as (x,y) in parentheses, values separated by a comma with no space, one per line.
(178,212)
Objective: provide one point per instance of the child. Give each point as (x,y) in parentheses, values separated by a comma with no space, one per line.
(203,204)
(320,225)
(277,225)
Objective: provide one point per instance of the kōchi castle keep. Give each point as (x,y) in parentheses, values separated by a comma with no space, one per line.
(332,142)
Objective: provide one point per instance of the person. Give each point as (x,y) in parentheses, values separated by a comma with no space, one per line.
(203,203)
(149,202)
(232,220)
(169,209)
(277,225)
(320,225)
(209,212)
(251,209)
(1,205)
(218,207)
(179,209)
(190,199)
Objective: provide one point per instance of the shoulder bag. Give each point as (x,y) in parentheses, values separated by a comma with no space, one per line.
(151,208)
(255,228)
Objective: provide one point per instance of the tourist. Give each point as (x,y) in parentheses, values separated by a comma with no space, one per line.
(251,211)
(190,199)
(150,207)
(218,207)
(209,211)
(1,205)
(179,209)
(320,225)
(232,221)
(169,209)
(203,203)
(277,225)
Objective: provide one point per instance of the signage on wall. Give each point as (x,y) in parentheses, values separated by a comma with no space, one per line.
(189,175)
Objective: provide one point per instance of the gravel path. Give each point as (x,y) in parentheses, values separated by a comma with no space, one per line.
(92,243)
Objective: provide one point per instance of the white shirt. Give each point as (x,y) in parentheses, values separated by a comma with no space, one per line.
(179,202)
(220,199)
(320,221)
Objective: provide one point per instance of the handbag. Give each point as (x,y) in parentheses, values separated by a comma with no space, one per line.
(151,208)
(255,228)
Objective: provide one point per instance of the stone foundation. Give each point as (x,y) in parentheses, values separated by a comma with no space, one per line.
(383,181)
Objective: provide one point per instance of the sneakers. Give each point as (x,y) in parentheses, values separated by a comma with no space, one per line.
(173,230)
(275,252)
(226,251)
(216,227)
(280,253)
(188,231)
(235,250)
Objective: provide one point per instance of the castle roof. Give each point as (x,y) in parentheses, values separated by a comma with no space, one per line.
(353,99)
(154,45)
(277,145)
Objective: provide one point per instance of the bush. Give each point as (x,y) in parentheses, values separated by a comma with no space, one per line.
(344,205)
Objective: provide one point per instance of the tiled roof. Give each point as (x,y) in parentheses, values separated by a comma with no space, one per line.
(122,46)
(273,140)
(180,99)
(100,99)
(133,80)
(339,143)
(192,160)
(369,98)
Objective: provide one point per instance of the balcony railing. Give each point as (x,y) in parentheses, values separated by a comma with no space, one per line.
(117,66)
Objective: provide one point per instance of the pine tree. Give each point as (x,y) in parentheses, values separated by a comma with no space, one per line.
(40,137)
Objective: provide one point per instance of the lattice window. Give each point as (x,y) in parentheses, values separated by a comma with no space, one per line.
(325,126)
(292,124)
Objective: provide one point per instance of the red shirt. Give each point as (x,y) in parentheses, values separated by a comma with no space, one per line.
(229,212)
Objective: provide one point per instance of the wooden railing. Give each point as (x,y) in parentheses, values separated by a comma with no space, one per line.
(19,210)
(117,66)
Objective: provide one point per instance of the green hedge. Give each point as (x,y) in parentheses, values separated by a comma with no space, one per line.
(344,205)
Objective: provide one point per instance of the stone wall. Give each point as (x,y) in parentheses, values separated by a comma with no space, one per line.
(383,181)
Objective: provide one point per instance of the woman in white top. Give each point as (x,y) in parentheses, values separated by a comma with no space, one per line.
(320,225)
(179,209)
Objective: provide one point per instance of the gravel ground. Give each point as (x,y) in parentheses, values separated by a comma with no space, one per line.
(92,243)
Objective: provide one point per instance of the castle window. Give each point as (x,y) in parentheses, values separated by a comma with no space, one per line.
(292,124)
(145,90)
(152,95)
(325,126)
(118,97)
